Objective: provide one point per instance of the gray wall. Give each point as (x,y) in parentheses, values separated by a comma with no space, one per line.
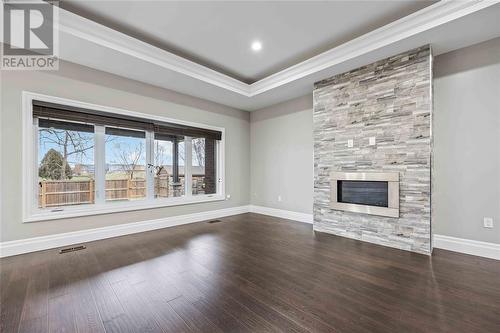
(467,142)
(466,131)
(466,84)
(282,156)
(88,85)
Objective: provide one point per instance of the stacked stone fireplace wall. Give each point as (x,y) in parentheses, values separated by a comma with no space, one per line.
(390,100)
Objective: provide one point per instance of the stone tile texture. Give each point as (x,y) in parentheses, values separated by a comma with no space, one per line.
(390,100)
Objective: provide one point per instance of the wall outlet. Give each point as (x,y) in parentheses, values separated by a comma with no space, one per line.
(372,141)
(488,222)
(228,196)
(280,198)
(350,143)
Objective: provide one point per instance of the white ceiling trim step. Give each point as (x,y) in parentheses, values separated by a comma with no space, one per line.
(413,24)
(425,19)
(99,34)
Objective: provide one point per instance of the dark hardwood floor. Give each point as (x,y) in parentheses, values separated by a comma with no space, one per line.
(247,273)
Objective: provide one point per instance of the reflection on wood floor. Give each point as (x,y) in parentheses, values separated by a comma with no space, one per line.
(248,273)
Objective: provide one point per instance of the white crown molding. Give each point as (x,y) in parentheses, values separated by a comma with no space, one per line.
(411,25)
(467,246)
(21,246)
(99,34)
(284,214)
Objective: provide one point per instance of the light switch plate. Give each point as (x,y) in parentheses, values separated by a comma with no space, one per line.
(372,141)
(350,143)
(488,222)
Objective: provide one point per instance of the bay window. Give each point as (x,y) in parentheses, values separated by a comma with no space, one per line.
(91,159)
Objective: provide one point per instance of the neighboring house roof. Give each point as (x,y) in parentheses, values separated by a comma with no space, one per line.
(196,170)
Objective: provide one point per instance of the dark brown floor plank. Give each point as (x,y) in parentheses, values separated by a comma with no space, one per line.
(13,297)
(259,309)
(108,305)
(248,293)
(134,307)
(248,273)
(34,317)
(157,303)
(120,324)
(61,314)
(221,318)
(196,321)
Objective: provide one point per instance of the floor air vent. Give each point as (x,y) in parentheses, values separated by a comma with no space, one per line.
(72,249)
(214,221)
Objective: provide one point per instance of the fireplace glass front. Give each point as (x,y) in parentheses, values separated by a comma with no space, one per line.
(374,193)
(371,193)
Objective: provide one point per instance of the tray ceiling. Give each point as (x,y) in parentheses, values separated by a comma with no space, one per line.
(218,35)
(189,69)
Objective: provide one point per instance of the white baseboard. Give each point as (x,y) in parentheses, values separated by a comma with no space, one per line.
(11,248)
(285,214)
(468,246)
(21,246)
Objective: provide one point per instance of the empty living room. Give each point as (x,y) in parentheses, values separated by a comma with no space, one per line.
(250,166)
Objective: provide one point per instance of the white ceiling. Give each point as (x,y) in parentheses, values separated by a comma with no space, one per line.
(218,34)
(445,25)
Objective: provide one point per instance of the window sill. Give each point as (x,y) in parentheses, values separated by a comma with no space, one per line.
(117,207)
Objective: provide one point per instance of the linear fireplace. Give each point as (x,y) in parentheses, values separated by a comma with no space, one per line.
(375,193)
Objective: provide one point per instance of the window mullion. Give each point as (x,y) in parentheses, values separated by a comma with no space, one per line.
(100,165)
(150,165)
(188,172)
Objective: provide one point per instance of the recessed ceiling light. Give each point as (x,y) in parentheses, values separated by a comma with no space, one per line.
(256,46)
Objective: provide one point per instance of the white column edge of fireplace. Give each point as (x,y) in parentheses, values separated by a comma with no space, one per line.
(392,179)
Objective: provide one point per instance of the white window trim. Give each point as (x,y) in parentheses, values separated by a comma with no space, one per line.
(31,212)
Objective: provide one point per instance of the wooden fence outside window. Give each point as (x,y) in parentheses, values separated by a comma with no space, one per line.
(55,193)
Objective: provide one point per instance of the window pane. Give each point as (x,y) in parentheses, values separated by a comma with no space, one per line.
(65,164)
(204,166)
(125,153)
(169,167)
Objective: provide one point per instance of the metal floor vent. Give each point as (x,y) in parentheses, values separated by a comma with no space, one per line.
(214,221)
(72,249)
